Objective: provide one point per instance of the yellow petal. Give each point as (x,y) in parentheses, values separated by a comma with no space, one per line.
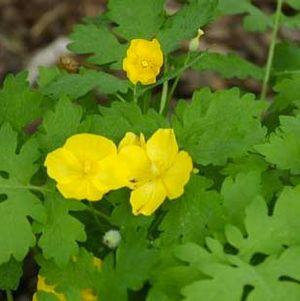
(147,198)
(143,61)
(178,175)
(97,262)
(162,148)
(90,147)
(43,286)
(132,139)
(112,173)
(80,189)
(88,295)
(137,164)
(147,79)
(129,139)
(62,165)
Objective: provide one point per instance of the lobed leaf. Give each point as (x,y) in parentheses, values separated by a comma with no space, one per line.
(228,65)
(218,126)
(19,105)
(18,202)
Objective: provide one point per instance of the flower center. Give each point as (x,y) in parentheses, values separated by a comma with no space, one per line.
(155,171)
(87,167)
(145,63)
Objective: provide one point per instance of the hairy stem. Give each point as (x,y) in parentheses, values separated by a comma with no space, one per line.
(271,50)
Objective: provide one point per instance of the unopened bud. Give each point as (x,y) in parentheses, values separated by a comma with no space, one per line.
(112,238)
(194,43)
(195,170)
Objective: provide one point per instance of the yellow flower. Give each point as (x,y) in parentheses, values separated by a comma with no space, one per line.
(157,169)
(86,167)
(143,62)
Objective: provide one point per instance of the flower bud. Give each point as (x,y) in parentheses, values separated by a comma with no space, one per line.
(194,43)
(112,239)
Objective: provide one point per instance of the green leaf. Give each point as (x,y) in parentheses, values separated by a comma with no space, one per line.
(228,279)
(79,273)
(270,277)
(257,20)
(61,232)
(98,42)
(169,278)
(18,203)
(232,7)
(129,117)
(292,22)
(19,105)
(283,146)
(46,296)
(253,162)
(157,295)
(254,20)
(286,57)
(47,75)
(288,93)
(122,215)
(134,249)
(78,85)
(10,274)
(218,126)
(185,23)
(280,229)
(59,125)
(228,65)
(238,193)
(135,18)
(294,3)
(195,215)
(134,263)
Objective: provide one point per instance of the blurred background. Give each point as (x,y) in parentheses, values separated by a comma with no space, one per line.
(34,32)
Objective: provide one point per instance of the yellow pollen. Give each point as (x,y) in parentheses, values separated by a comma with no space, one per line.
(145,63)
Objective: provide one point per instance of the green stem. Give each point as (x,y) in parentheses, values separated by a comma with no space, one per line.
(173,75)
(120,98)
(164,95)
(287,72)
(26,187)
(178,77)
(9,295)
(98,214)
(135,98)
(271,50)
